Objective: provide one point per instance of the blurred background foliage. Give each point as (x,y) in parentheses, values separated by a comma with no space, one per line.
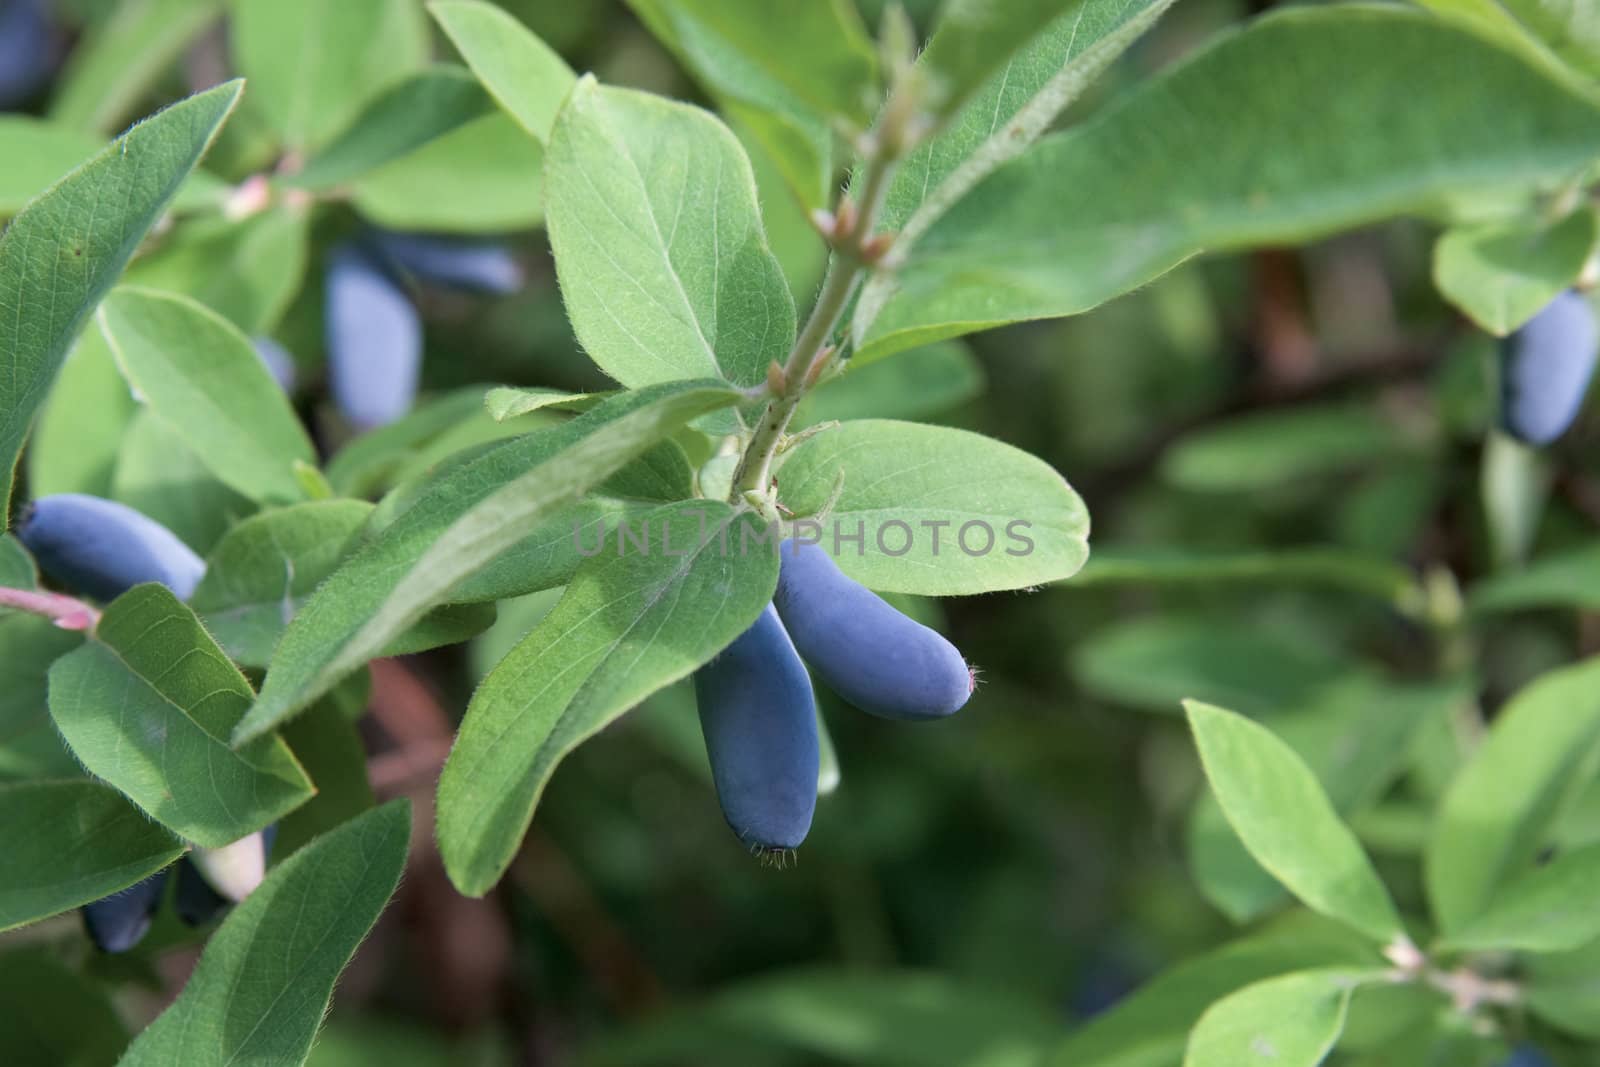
(976,887)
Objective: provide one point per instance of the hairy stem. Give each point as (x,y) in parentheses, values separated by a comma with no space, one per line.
(851,262)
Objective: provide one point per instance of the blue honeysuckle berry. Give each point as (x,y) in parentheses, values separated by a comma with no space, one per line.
(101,548)
(872,655)
(758,716)
(1528,1056)
(374,339)
(1546,367)
(119,922)
(475,266)
(196,902)
(29,51)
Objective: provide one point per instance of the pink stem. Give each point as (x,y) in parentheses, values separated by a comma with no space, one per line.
(64,611)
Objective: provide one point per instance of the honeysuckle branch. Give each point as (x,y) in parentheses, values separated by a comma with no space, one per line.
(856,250)
(1467,989)
(64,611)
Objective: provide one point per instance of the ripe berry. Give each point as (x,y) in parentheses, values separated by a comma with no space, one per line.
(872,655)
(102,549)
(476,266)
(1546,366)
(759,718)
(120,921)
(374,339)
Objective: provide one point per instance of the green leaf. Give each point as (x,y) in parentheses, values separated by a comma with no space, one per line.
(507,402)
(1331,568)
(162,477)
(1357,737)
(263,984)
(817,50)
(313,65)
(627,625)
(1548,909)
(58,257)
(160,735)
(68,843)
(17,570)
(1153,663)
(480,511)
(30,747)
(484,177)
(547,554)
(1569,579)
(1570,30)
(123,57)
(976,40)
(327,742)
(55,1016)
(1541,750)
(37,153)
(370,462)
(1285,819)
(1266,451)
(1290,1021)
(1150,1027)
(246,271)
(663,263)
(1563,989)
(265,567)
(834,1015)
(1502,274)
(925,381)
(973,514)
(201,377)
(762,63)
(405,117)
(520,71)
(1240,145)
(79,432)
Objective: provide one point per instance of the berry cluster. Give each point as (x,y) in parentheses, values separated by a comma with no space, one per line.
(757,708)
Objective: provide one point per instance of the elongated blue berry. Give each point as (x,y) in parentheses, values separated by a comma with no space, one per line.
(1546,367)
(872,655)
(211,879)
(102,549)
(374,339)
(195,901)
(120,921)
(758,715)
(29,51)
(476,266)
(279,363)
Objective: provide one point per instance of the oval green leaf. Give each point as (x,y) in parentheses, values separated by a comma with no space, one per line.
(263,984)
(67,843)
(58,257)
(160,735)
(974,515)
(200,376)
(1283,816)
